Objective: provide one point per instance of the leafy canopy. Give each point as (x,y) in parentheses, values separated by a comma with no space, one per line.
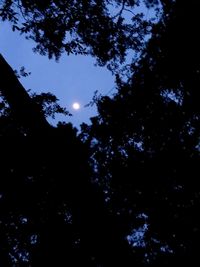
(106,29)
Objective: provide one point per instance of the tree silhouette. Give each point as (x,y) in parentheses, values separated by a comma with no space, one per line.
(126,190)
(145,144)
(51,214)
(97,28)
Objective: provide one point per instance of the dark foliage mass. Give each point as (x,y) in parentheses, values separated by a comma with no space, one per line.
(145,144)
(125,192)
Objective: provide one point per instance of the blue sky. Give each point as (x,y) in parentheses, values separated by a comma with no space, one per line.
(73,78)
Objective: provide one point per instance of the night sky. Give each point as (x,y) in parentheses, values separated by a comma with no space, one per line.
(72,79)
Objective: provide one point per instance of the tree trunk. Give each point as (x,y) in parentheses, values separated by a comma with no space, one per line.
(23,109)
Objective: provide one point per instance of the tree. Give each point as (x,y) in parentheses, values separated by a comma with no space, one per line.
(44,212)
(80,27)
(145,144)
(77,27)
(142,144)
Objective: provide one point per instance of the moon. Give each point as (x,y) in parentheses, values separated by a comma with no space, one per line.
(76,105)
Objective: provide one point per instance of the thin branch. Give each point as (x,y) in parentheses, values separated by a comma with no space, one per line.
(128,10)
(121,10)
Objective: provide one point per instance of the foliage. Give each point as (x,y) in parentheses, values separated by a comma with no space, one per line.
(22,72)
(48,104)
(125,192)
(98,28)
(145,144)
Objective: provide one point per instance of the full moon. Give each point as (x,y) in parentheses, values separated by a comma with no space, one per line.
(76,105)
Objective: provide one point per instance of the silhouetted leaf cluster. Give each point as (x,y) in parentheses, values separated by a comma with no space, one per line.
(49,105)
(22,72)
(98,28)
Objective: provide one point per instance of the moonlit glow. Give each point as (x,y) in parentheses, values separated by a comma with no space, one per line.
(76,105)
